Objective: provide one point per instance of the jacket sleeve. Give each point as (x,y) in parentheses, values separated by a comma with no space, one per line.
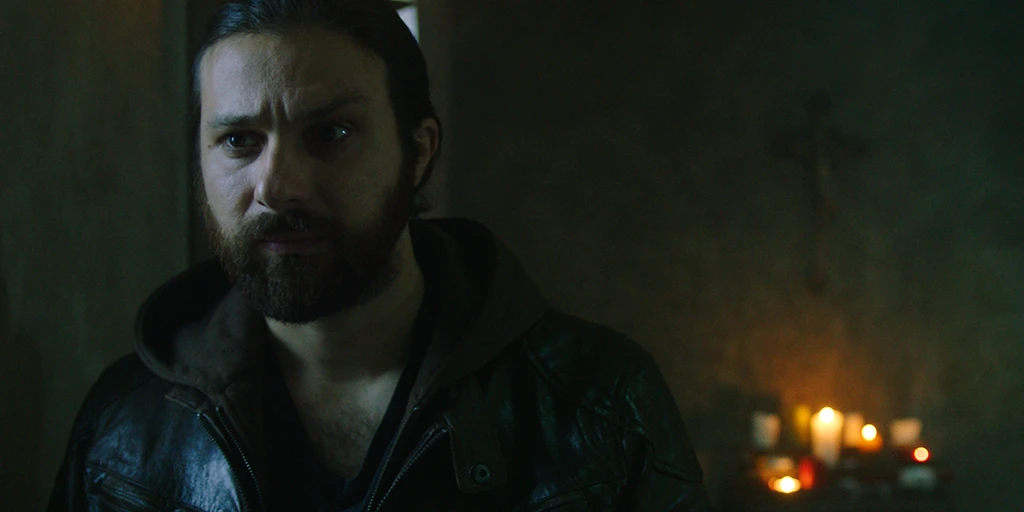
(68,493)
(69,490)
(664,474)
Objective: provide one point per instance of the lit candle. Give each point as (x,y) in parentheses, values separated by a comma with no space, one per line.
(870,440)
(785,485)
(826,436)
(921,454)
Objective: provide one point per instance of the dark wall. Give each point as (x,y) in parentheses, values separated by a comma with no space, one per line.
(93,209)
(623,149)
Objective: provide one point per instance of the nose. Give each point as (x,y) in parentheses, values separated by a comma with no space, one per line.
(283,181)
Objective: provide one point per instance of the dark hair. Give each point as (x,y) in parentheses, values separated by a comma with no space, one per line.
(374,24)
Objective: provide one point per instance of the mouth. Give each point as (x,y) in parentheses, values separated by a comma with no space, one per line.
(291,243)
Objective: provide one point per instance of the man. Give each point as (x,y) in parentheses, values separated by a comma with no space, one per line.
(343,354)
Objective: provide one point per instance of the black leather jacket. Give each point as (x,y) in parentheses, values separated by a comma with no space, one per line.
(517,407)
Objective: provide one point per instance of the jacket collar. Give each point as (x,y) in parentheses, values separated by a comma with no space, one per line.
(197,331)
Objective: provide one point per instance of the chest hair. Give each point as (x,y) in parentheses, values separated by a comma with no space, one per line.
(341,425)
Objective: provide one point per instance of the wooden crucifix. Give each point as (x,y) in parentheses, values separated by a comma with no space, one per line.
(819,149)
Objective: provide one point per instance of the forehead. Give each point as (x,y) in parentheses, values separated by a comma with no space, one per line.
(296,67)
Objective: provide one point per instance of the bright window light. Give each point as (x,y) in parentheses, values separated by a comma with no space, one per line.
(410,15)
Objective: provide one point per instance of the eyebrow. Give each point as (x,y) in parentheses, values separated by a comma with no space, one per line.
(314,114)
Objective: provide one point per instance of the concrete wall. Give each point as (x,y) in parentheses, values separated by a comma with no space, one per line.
(93,209)
(621,149)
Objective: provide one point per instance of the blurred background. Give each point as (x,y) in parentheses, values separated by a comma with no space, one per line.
(657,166)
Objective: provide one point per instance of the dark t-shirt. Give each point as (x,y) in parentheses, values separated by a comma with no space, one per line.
(298,479)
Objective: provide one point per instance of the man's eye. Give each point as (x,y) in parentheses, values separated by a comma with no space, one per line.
(240,141)
(331,133)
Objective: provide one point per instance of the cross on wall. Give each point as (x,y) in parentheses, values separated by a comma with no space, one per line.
(819,149)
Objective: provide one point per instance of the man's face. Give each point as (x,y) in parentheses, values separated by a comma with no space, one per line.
(306,189)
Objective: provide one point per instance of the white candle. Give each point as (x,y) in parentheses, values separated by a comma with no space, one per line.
(765,430)
(852,426)
(826,436)
(905,431)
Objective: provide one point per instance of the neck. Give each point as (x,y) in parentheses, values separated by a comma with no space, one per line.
(360,344)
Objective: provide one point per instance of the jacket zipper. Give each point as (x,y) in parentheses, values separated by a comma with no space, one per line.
(420,450)
(218,425)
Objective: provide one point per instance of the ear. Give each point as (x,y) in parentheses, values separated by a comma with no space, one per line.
(426,137)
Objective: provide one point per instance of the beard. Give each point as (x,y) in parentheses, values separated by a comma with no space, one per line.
(349,268)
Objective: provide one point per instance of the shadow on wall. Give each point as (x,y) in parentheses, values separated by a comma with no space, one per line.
(21,410)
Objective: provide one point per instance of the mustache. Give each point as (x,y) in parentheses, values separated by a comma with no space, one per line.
(290,222)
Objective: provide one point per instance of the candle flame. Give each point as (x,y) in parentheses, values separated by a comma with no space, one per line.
(869,432)
(921,454)
(785,485)
(827,414)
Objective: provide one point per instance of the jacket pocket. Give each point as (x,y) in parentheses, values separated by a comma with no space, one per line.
(598,496)
(569,502)
(115,494)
